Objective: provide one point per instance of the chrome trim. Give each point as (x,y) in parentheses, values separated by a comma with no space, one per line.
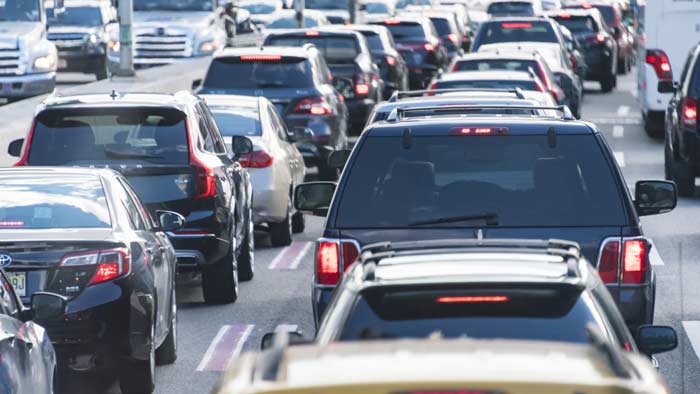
(619,257)
(173,235)
(341,263)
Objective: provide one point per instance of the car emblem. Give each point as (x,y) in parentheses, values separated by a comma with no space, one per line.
(5,260)
(160,31)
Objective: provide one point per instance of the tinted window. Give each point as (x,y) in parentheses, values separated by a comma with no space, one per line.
(237,120)
(109,135)
(259,8)
(376,8)
(334,49)
(34,202)
(287,72)
(492,33)
(76,16)
(374,41)
(442,26)
(411,313)
(19,10)
(495,84)
(403,31)
(578,24)
(291,23)
(519,178)
(497,64)
(608,14)
(326,4)
(511,8)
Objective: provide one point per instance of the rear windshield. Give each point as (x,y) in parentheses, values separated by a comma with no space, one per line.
(326,4)
(232,121)
(442,26)
(376,8)
(519,179)
(109,135)
(75,16)
(33,202)
(487,84)
(374,41)
(406,30)
(334,49)
(578,24)
(496,64)
(495,32)
(511,8)
(279,72)
(513,313)
(291,23)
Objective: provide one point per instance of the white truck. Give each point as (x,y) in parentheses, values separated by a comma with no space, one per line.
(27,58)
(671,28)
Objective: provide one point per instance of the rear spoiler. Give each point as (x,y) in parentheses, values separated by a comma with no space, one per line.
(400,113)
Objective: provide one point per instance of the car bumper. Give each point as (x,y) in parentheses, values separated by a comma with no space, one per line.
(270,199)
(194,251)
(80,61)
(29,85)
(321,298)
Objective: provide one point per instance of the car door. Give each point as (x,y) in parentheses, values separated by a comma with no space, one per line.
(291,153)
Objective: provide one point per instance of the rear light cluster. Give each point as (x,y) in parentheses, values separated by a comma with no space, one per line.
(27,144)
(313,106)
(206,181)
(334,256)
(600,38)
(453,38)
(624,261)
(361,86)
(689,116)
(390,60)
(547,82)
(256,159)
(659,61)
(107,264)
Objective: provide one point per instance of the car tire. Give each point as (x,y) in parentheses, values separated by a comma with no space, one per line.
(167,352)
(298,222)
(138,376)
(246,258)
(101,72)
(622,66)
(281,233)
(607,84)
(220,280)
(652,130)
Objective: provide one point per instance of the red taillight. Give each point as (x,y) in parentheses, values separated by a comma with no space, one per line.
(689,116)
(587,6)
(539,86)
(659,61)
(565,15)
(453,37)
(392,22)
(390,60)
(313,33)
(256,159)
(516,25)
(206,182)
(109,264)
(429,47)
(471,299)
(331,255)
(634,261)
(255,58)
(609,262)
(313,106)
(23,161)
(361,86)
(600,37)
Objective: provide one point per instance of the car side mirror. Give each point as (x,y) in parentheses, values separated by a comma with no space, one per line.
(314,197)
(196,84)
(46,306)
(295,338)
(666,87)
(241,146)
(338,158)
(656,339)
(655,197)
(169,221)
(303,134)
(15,148)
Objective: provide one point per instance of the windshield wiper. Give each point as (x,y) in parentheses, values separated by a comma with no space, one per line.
(130,155)
(491,219)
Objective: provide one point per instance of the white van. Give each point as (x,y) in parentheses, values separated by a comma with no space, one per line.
(671,28)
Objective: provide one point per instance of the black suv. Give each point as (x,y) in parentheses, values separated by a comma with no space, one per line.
(300,85)
(420,45)
(682,144)
(347,55)
(81,34)
(481,289)
(438,173)
(599,45)
(172,153)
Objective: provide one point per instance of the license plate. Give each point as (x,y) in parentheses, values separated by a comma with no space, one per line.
(62,63)
(19,282)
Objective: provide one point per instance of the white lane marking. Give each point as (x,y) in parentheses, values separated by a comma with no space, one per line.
(212,348)
(290,257)
(620,158)
(623,110)
(219,354)
(692,330)
(302,254)
(654,256)
(618,131)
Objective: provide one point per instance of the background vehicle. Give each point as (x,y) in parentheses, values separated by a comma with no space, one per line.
(447,28)
(30,69)
(598,44)
(576,53)
(83,234)
(400,185)
(499,8)
(393,69)
(494,79)
(286,19)
(519,31)
(347,55)
(299,83)
(261,11)
(81,35)
(379,9)
(338,12)
(275,164)
(420,46)
(662,54)
(28,357)
(172,153)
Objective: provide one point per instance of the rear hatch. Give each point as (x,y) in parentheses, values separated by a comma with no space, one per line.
(411,41)
(583,27)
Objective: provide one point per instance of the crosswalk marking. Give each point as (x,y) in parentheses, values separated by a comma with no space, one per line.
(226,346)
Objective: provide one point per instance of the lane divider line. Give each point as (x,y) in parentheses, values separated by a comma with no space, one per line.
(623,110)
(618,131)
(290,257)
(620,158)
(226,346)
(287,327)
(654,256)
(692,330)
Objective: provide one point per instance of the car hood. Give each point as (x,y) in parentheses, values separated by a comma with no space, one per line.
(11,32)
(181,20)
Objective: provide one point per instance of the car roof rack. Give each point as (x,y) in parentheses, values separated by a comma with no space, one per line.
(372,254)
(398,95)
(452,110)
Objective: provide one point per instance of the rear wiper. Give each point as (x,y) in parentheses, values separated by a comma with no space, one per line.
(129,155)
(491,219)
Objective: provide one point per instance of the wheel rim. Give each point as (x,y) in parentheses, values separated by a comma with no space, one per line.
(173,326)
(251,239)
(289,215)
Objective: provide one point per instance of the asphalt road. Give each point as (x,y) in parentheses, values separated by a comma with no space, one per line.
(211,336)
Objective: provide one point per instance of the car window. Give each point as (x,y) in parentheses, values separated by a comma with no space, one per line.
(334,49)
(486,84)
(520,179)
(405,31)
(132,208)
(278,125)
(213,130)
(258,72)
(513,8)
(137,204)
(495,32)
(443,26)
(76,16)
(237,120)
(578,24)
(8,302)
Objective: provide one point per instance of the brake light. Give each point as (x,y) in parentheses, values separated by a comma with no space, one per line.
(313,106)
(361,86)
(453,37)
(429,47)
(256,159)
(609,261)
(455,67)
(472,299)
(313,33)
(206,182)
(572,59)
(565,15)
(689,115)
(587,6)
(634,261)
(23,161)
(478,130)
(600,37)
(392,22)
(331,255)
(516,25)
(390,60)
(109,264)
(254,58)
(659,61)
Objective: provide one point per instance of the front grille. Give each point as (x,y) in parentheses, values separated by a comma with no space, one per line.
(162,46)
(66,42)
(10,62)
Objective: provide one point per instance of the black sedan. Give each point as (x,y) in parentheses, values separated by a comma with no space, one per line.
(84,234)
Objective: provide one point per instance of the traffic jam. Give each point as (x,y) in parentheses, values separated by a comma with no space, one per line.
(387,196)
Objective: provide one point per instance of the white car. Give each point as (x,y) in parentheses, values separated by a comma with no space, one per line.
(671,29)
(286,19)
(261,11)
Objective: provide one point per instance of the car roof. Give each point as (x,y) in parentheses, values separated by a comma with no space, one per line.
(326,30)
(498,54)
(223,100)
(379,29)
(179,100)
(487,98)
(500,75)
(83,3)
(302,51)
(573,12)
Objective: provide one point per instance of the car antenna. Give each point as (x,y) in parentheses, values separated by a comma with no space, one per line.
(552,137)
(407,139)
(114,94)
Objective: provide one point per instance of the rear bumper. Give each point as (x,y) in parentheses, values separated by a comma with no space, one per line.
(636,302)
(599,63)
(269,204)
(28,85)
(81,61)
(196,250)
